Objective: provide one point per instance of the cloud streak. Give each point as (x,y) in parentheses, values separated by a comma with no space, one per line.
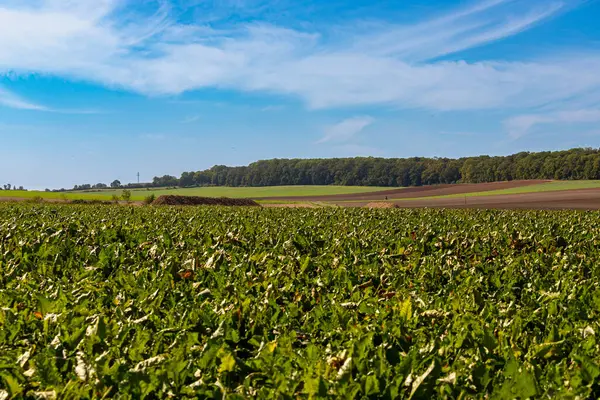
(520,125)
(190,119)
(345,130)
(9,99)
(479,24)
(12,100)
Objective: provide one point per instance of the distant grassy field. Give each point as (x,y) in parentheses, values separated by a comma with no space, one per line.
(29,194)
(542,187)
(237,192)
(253,192)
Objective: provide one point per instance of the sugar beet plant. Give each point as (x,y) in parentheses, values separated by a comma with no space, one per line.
(128,302)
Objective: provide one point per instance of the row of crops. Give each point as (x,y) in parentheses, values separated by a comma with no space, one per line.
(132,302)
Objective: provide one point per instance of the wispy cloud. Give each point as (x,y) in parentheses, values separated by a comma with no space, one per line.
(115,44)
(346,129)
(9,99)
(520,125)
(152,136)
(12,100)
(190,119)
(272,108)
(458,30)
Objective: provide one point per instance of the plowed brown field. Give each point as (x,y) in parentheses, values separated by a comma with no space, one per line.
(582,199)
(427,196)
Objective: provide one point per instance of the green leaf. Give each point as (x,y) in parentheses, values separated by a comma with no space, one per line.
(518,383)
(11,384)
(45,306)
(405,310)
(371,385)
(227,362)
(315,387)
(489,341)
(589,369)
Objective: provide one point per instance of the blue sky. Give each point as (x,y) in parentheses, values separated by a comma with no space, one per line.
(96,90)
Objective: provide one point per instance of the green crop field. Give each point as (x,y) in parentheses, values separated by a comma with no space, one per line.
(30,194)
(155,302)
(254,192)
(232,192)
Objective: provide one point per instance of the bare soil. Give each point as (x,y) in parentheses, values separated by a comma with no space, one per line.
(581,199)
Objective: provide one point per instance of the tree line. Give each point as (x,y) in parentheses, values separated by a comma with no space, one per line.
(415,171)
(9,186)
(581,163)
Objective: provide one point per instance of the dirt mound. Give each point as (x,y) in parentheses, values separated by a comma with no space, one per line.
(174,200)
(382,205)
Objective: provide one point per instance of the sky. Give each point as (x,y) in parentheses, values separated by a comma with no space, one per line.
(97,90)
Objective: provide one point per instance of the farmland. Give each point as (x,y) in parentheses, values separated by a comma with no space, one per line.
(221,191)
(519,194)
(258,192)
(555,186)
(291,303)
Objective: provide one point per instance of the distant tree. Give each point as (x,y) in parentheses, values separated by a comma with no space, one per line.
(126,195)
(165,181)
(8,186)
(21,188)
(85,186)
(583,163)
(149,199)
(99,186)
(187,179)
(115,184)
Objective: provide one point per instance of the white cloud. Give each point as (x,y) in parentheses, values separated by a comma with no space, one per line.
(345,130)
(190,119)
(108,42)
(9,99)
(474,26)
(274,107)
(520,125)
